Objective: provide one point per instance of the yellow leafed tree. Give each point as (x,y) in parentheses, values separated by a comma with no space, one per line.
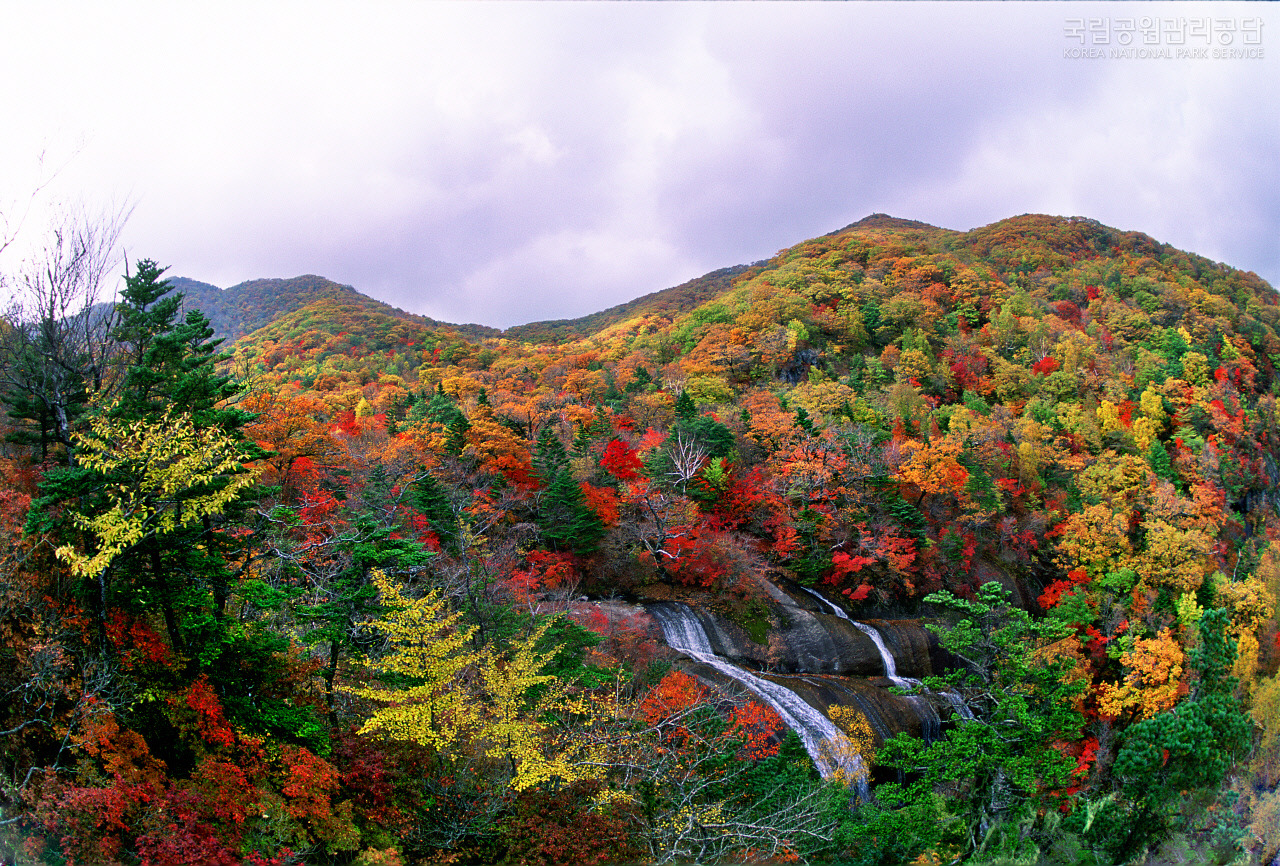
(161,476)
(1154,682)
(491,701)
(429,648)
(860,740)
(512,729)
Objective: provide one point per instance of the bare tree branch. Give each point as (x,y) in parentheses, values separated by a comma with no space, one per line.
(55,343)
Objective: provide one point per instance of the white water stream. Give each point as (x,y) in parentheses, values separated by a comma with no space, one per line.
(930,724)
(826,744)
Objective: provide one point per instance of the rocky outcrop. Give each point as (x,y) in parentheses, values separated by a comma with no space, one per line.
(887,714)
(814,651)
(915,649)
(803,640)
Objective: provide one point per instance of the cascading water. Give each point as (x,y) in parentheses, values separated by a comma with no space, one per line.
(826,744)
(930,724)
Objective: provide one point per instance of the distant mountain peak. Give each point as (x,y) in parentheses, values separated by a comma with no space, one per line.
(884,221)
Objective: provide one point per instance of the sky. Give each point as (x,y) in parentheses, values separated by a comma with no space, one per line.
(503,163)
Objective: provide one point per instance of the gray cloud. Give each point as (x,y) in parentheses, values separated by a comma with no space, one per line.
(508,162)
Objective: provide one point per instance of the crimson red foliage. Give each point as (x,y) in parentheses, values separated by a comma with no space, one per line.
(210,720)
(137,641)
(183,839)
(544,570)
(621,461)
(1068,311)
(676,693)
(1053,592)
(858,594)
(1045,366)
(758,726)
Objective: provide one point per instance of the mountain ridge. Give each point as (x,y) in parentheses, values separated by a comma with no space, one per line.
(238,311)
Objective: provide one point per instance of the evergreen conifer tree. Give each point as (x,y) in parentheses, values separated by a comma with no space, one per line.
(169,371)
(566,521)
(686,409)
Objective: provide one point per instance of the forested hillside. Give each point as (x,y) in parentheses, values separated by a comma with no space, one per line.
(674,300)
(907,545)
(248,306)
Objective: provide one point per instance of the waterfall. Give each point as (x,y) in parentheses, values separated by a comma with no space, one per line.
(930,724)
(826,744)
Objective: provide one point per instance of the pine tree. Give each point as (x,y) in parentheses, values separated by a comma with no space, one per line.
(566,521)
(456,435)
(686,409)
(1158,457)
(169,381)
(640,381)
(549,456)
(804,422)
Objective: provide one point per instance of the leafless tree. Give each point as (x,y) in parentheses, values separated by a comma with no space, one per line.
(697,817)
(687,456)
(14,213)
(55,343)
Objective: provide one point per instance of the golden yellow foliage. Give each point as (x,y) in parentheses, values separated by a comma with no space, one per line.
(1120,480)
(1251,602)
(1154,681)
(461,699)
(1144,432)
(860,738)
(1195,368)
(429,648)
(1151,405)
(1175,558)
(1246,665)
(1109,418)
(913,364)
(1265,827)
(1264,764)
(822,398)
(933,467)
(1095,539)
(178,475)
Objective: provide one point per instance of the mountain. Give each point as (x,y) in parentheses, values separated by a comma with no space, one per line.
(665,303)
(248,306)
(556,594)
(883,221)
(244,308)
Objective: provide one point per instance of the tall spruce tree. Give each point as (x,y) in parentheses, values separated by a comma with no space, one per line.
(567,523)
(178,566)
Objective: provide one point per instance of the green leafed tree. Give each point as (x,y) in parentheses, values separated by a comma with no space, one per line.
(1168,759)
(566,521)
(137,515)
(998,766)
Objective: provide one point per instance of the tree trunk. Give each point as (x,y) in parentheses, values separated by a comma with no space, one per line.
(166,601)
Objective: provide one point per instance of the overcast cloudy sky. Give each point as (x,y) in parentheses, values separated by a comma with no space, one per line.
(502,163)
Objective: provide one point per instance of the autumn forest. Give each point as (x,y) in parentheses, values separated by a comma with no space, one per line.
(906,545)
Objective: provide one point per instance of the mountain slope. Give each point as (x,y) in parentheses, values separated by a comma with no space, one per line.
(665,302)
(1056,442)
(248,306)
